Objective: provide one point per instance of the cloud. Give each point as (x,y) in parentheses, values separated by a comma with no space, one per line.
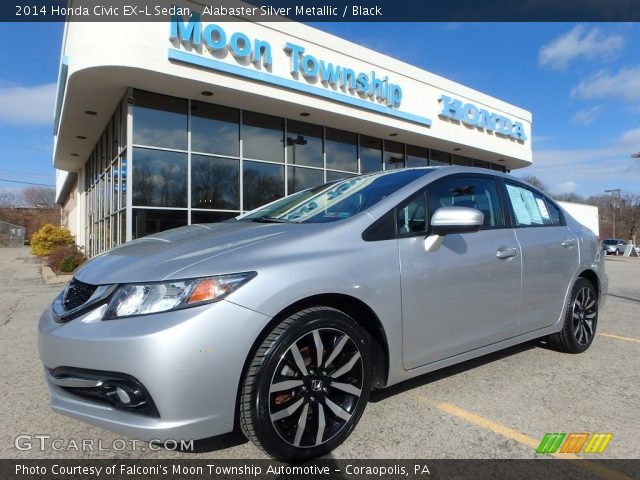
(32,105)
(630,139)
(587,171)
(565,187)
(625,85)
(580,42)
(586,117)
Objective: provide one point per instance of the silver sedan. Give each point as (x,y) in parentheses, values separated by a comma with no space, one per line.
(282,320)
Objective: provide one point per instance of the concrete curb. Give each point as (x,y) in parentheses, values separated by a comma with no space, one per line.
(50,278)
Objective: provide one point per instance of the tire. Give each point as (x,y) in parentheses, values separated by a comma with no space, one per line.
(580,319)
(307,385)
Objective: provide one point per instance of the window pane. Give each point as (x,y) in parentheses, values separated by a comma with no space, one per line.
(210,217)
(159,120)
(146,222)
(304,144)
(393,155)
(481,164)
(439,158)
(417,156)
(342,150)
(411,217)
(215,129)
(332,176)
(159,178)
(478,193)
(554,213)
(463,161)
(123,226)
(300,178)
(263,183)
(262,137)
(370,154)
(530,208)
(215,182)
(123,182)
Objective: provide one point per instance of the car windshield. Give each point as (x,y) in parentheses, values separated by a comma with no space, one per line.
(610,242)
(336,200)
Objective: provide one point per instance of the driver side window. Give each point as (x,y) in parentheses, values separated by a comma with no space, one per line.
(480,193)
(412,216)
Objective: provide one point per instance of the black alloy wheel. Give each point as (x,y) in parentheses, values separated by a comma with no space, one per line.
(308,385)
(581,319)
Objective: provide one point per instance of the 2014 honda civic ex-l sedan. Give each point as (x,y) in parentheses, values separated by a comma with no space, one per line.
(282,320)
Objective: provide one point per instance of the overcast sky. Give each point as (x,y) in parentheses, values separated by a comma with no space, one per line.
(580,81)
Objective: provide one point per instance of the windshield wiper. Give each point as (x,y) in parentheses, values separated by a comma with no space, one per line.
(272,220)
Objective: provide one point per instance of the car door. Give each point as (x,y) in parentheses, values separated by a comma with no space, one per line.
(549,256)
(465,294)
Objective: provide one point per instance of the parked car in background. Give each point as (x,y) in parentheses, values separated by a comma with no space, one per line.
(282,320)
(614,246)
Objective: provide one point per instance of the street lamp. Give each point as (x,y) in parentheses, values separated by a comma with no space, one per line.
(635,155)
(615,195)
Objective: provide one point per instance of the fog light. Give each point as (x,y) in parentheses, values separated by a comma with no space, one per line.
(123,396)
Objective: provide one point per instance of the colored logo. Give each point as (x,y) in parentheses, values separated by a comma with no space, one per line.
(573,442)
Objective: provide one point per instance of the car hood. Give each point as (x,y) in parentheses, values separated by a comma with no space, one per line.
(166,254)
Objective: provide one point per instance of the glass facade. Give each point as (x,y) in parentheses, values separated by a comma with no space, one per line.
(189,161)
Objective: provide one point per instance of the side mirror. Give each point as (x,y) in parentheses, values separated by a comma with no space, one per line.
(448,220)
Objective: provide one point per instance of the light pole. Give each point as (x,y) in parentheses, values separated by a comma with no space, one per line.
(635,155)
(615,195)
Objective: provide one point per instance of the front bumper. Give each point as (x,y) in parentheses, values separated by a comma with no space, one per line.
(189,361)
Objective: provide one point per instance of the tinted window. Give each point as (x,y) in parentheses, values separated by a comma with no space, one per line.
(530,209)
(473,192)
(159,121)
(411,217)
(159,178)
(215,182)
(370,154)
(262,137)
(263,183)
(215,129)
(304,144)
(342,150)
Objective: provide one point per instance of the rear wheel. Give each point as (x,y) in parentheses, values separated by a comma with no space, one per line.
(580,321)
(307,385)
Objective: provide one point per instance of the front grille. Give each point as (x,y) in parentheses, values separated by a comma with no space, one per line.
(76,294)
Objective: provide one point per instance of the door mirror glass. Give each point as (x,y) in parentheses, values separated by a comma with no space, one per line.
(448,220)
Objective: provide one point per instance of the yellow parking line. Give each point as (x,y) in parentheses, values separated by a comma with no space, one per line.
(618,337)
(519,437)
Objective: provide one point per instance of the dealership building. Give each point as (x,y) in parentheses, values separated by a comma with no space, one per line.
(164,124)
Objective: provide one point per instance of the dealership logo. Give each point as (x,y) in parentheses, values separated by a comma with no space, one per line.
(473,116)
(215,39)
(573,442)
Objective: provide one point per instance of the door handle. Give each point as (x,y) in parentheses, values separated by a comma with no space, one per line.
(506,252)
(569,243)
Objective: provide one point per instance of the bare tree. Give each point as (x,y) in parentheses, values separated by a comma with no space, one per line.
(9,198)
(570,197)
(40,197)
(536,182)
(629,215)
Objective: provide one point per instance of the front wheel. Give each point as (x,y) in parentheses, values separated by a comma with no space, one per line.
(581,319)
(307,385)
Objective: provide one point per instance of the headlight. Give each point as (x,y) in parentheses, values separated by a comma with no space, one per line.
(144,298)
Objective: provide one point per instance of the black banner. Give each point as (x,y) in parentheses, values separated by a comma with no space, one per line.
(319,470)
(324,11)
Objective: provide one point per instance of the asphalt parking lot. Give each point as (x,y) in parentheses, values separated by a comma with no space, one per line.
(499,406)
